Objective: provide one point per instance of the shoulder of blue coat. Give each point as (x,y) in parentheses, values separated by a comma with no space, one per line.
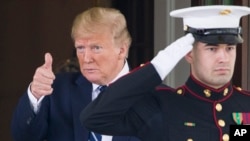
(179,90)
(162,87)
(240,90)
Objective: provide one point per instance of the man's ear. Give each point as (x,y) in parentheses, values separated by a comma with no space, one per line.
(123,51)
(189,57)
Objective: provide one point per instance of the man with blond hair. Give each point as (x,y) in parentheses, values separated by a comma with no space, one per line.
(50,108)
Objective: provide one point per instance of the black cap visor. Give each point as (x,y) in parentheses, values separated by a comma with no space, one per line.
(217,35)
(219,39)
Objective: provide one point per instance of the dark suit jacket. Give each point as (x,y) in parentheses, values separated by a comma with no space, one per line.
(137,105)
(58,118)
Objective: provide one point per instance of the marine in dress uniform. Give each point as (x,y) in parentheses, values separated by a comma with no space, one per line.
(139,105)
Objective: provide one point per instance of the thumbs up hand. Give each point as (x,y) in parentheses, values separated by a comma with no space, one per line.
(43,78)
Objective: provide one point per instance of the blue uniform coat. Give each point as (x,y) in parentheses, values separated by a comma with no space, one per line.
(137,104)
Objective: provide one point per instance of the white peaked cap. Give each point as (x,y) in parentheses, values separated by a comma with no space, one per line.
(213,16)
(214,23)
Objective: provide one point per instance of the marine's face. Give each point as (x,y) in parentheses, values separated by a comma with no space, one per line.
(100,58)
(212,65)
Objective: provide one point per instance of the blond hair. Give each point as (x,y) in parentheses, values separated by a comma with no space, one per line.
(96,19)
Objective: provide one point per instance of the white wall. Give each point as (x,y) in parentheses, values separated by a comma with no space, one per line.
(166,30)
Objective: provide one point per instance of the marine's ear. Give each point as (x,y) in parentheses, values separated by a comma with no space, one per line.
(189,57)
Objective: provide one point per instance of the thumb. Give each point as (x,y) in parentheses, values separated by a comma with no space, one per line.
(48,61)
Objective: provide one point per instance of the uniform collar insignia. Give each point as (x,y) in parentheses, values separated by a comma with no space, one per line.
(206,93)
(241,118)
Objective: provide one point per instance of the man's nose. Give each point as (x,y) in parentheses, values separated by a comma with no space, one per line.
(87,56)
(223,55)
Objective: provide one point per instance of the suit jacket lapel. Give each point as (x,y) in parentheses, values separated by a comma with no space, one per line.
(81,96)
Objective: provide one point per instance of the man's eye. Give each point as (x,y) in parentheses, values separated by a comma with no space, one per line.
(231,46)
(96,49)
(212,49)
(80,49)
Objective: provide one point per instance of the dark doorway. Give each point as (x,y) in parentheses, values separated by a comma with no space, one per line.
(139,16)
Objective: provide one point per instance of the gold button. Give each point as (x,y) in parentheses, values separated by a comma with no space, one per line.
(239,88)
(218,107)
(225,92)
(225,137)
(221,123)
(189,139)
(207,92)
(179,91)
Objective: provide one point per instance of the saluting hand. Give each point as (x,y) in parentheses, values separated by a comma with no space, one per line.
(43,78)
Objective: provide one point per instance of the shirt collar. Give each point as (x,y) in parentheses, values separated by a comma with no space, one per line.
(124,71)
